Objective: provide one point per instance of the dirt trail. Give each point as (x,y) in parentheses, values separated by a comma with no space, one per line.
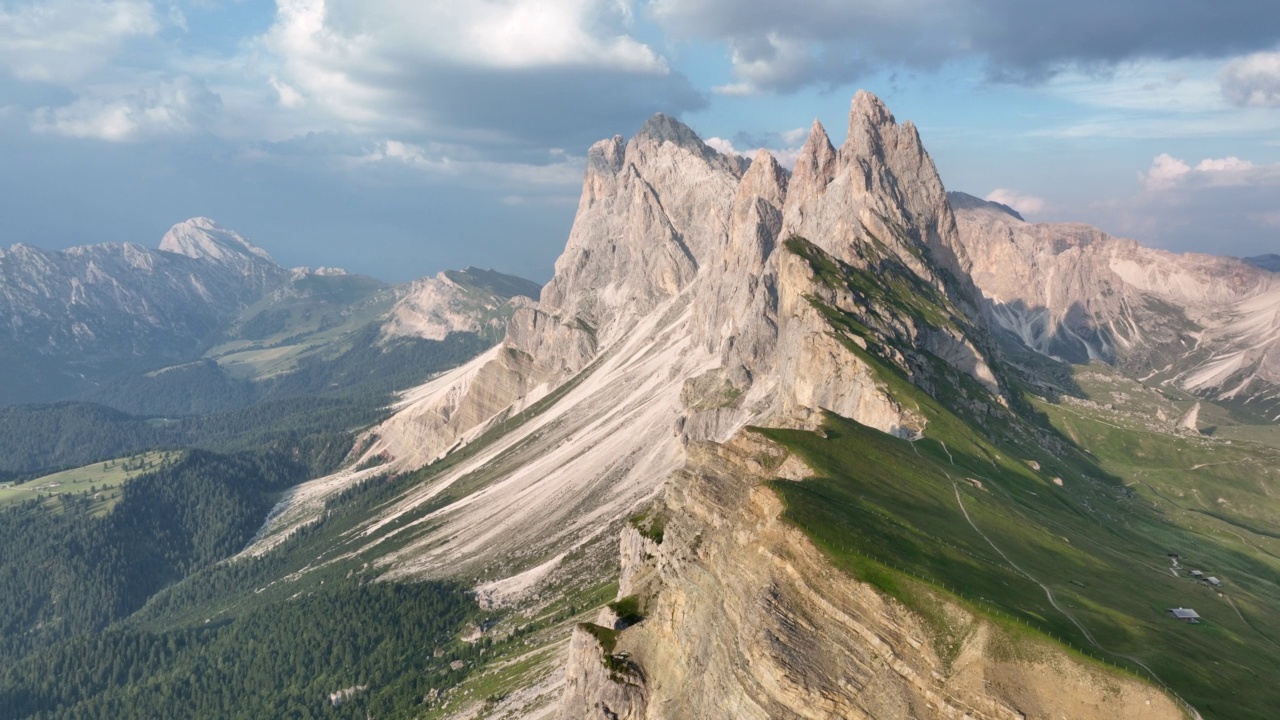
(1048,592)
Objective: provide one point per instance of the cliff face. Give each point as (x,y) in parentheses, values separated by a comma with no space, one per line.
(673,238)
(745,618)
(697,296)
(1209,325)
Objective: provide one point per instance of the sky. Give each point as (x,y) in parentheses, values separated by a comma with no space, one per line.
(397,138)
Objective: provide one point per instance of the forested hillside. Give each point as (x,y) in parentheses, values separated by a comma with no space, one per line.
(67,573)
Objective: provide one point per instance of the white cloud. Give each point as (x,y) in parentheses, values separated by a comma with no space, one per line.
(174,107)
(1230,164)
(1252,80)
(1023,203)
(1168,172)
(61,41)
(1225,205)
(562,171)
(785,156)
(1165,172)
(367,63)
(769,63)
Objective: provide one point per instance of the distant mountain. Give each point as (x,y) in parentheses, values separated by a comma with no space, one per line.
(1205,324)
(79,318)
(1270,261)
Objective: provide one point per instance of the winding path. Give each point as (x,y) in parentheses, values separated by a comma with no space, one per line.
(955,487)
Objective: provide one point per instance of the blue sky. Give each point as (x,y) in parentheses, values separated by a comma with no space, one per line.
(400,137)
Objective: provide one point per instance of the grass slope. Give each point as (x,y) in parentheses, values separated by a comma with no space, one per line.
(975,509)
(99,482)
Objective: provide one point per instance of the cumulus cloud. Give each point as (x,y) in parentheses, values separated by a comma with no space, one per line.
(1167,172)
(495,72)
(61,41)
(1023,203)
(775,62)
(785,155)
(1218,204)
(175,107)
(1253,80)
(782,45)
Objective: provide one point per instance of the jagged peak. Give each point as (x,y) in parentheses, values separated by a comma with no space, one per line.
(867,108)
(869,123)
(817,137)
(815,164)
(606,155)
(664,128)
(765,177)
(965,201)
(202,238)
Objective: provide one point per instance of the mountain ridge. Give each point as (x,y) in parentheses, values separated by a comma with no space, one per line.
(1205,324)
(77,318)
(694,300)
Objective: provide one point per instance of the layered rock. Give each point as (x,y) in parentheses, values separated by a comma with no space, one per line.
(666,226)
(697,296)
(1209,325)
(746,619)
(469,300)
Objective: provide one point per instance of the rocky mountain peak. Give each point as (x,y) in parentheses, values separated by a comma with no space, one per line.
(765,178)
(867,116)
(880,188)
(661,131)
(816,163)
(606,155)
(965,201)
(203,239)
(664,128)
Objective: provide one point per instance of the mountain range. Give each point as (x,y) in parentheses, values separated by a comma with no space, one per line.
(849,308)
(1207,325)
(810,443)
(83,318)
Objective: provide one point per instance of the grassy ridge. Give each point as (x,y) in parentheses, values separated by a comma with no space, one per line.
(893,513)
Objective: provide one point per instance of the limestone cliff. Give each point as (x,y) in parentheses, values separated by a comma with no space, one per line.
(745,618)
(698,295)
(1209,325)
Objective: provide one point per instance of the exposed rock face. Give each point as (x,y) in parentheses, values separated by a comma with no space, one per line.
(672,237)
(1210,325)
(104,308)
(203,239)
(1191,421)
(469,300)
(693,298)
(748,620)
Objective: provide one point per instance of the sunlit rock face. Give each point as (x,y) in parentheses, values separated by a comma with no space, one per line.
(1209,325)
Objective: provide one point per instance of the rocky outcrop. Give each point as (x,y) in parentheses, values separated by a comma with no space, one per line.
(599,685)
(1210,325)
(745,618)
(470,300)
(203,239)
(678,313)
(667,226)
